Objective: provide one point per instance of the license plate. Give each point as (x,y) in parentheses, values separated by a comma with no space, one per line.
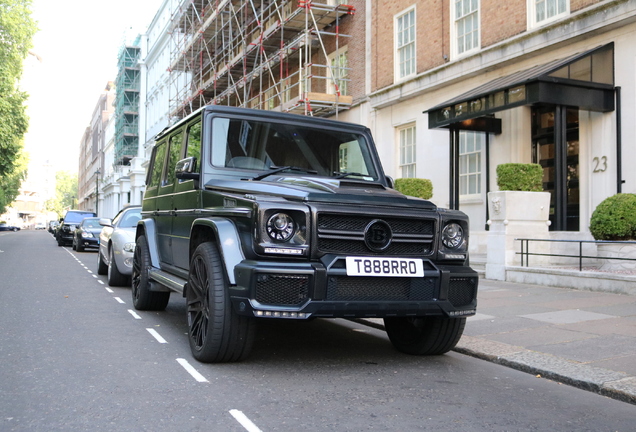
(391,267)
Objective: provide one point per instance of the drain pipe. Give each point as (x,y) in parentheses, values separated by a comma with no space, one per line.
(619,143)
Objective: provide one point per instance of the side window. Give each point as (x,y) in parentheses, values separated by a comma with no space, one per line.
(173,157)
(193,145)
(157,165)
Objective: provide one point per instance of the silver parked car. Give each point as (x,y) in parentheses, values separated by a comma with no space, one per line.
(116,246)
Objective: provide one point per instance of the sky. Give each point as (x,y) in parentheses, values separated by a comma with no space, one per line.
(76,46)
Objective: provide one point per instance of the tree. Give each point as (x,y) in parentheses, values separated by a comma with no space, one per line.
(10,183)
(65,192)
(16,33)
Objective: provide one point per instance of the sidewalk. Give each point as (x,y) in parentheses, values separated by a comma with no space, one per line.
(582,338)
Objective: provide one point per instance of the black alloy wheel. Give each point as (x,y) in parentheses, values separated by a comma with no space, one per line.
(216,332)
(143,298)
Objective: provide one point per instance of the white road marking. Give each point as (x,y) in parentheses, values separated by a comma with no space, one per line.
(89,271)
(109,290)
(244,421)
(192,371)
(95,276)
(120,300)
(156,335)
(100,282)
(134,314)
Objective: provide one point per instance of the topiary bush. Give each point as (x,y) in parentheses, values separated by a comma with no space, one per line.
(520,177)
(615,218)
(416,187)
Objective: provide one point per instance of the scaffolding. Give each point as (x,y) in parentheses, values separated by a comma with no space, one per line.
(266,54)
(127,85)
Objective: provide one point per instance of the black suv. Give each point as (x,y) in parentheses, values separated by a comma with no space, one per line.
(65,232)
(255,215)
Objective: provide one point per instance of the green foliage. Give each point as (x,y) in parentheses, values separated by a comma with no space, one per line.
(16,33)
(420,188)
(520,177)
(615,218)
(10,183)
(65,193)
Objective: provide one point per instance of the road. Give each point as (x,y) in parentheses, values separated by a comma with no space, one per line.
(75,356)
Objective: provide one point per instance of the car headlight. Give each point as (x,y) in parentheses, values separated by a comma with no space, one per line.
(280,227)
(452,235)
(129,247)
(86,234)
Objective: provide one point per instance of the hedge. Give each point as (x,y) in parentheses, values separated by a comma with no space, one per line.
(615,218)
(520,177)
(420,188)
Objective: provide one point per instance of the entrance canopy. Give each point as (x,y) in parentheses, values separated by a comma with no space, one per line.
(584,80)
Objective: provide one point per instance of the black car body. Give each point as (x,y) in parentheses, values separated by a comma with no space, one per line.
(65,232)
(254,215)
(87,234)
(6,227)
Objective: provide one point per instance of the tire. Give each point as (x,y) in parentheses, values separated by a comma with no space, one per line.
(115,278)
(102,268)
(79,247)
(217,334)
(424,335)
(143,298)
(73,244)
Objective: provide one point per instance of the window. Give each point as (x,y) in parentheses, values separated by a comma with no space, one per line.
(466,26)
(339,72)
(157,165)
(545,11)
(174,154)
(407,151)
(405,44)
(193,145)
(470,157)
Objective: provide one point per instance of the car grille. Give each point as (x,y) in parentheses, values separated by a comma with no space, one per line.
(462,291)
(343,288)
(344,234)
(281,289)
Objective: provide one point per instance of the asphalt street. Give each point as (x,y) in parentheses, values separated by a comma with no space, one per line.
(75,356)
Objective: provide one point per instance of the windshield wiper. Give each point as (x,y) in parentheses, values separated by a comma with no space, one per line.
(340,175)
(276,169)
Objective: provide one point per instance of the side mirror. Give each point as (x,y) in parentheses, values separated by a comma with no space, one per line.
(105,222)
(390,181)
(186,169)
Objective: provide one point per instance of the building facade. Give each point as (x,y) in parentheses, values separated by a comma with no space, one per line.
(91,154)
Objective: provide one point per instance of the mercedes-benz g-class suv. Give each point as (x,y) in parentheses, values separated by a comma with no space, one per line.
(255,215)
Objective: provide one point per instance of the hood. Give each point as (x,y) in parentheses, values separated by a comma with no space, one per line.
(321,189)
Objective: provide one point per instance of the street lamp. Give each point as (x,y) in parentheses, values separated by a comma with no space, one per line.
(97,173)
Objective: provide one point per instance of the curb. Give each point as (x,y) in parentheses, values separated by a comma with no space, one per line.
(605,382)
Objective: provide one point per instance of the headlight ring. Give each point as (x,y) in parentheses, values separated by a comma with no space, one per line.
(280,227)
(452,235)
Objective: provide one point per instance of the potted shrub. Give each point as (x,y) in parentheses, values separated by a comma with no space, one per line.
(416,187)
(520,209)
(614,219)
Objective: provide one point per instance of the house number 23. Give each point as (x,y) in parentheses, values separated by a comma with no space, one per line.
(600,164)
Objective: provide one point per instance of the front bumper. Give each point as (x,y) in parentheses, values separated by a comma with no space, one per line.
(89,242)
(323,289)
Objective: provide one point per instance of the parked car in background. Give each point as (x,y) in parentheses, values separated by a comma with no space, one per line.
(6,227)
(117,244)
(87,234)
(66,231)
(40,226)
(53,226)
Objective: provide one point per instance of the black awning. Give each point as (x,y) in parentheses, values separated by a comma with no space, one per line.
(585,80)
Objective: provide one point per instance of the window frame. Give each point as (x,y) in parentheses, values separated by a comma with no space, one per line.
(344,79)
(397,48)
(532,14)
(407,169)
(480,165)
(454,33)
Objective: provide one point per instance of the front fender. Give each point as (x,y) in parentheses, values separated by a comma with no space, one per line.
(227,240)
(147,227)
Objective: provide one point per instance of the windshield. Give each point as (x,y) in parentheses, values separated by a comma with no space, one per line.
(128,219)
(91,223)
(261,146)
(75,218)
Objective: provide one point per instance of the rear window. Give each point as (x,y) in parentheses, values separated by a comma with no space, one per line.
(76,217)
